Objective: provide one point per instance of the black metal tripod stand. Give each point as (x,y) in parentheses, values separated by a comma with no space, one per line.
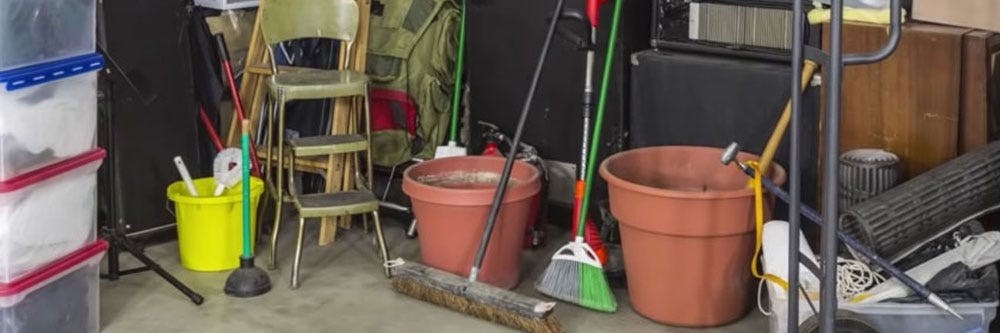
(117,242)
(109,224)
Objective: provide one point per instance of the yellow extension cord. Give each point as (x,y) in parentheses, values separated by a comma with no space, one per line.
(758,205)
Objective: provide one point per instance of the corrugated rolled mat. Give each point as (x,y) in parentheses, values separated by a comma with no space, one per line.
(898,221)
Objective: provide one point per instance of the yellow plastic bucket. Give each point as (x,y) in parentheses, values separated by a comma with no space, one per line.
(210,229)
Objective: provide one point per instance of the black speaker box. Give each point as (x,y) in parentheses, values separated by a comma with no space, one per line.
(686,99)
(148,112)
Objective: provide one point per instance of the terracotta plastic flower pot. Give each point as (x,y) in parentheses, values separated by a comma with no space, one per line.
(687,232)
(451,200)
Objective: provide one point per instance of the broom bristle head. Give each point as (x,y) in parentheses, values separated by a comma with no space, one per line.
(574,276)
(595,292)
(547,324)
(561,281)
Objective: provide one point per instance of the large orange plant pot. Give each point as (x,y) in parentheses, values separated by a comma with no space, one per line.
(687,232)
(451,200)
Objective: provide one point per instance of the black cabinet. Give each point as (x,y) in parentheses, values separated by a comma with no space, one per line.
(148,111)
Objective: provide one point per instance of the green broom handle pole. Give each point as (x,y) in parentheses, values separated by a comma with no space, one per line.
(599,118)
(245,143)
(457,90)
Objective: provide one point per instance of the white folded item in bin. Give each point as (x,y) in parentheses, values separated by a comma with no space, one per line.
(38,226)
(45,123)
(47,214)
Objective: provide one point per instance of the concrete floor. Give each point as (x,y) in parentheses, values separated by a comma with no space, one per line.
(342,290)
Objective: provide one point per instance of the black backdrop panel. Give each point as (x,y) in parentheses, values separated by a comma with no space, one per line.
(683,99)
(148,127)
(504,40)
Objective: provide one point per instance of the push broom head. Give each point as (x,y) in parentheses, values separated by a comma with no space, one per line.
(575,275)
(476,299)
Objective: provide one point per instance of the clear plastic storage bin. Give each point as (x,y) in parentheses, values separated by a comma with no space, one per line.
(63,296)
(37,31)
(908,318)
(47,213)
(893,317)
(47,113)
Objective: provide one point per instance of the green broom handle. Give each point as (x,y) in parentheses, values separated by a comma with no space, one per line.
(457,90)
(245,143)
(599,118)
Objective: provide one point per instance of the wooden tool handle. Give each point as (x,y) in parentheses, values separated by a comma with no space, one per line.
(779,130)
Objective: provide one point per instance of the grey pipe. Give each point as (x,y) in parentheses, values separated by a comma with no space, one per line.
(795,168)
(895,33)
(831,149)
(831,181)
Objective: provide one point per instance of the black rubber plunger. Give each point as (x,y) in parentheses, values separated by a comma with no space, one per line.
(248,280)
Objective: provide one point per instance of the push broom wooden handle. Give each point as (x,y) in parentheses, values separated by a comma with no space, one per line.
(779,130)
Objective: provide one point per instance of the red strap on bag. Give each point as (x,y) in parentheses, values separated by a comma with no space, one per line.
(393,110)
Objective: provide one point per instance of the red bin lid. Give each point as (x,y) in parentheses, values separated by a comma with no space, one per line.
(47,172)
(55,268)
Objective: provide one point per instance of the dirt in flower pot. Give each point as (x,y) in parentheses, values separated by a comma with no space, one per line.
(465,180)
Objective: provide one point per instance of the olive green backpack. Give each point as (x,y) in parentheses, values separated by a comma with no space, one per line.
(410,59)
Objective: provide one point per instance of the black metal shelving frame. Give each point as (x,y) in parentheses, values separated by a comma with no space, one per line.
(832,63)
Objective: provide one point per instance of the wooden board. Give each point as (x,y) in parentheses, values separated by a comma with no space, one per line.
(908,103)
(980,84)
(338,174)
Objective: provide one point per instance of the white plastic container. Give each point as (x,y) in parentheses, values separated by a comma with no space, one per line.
(63,296)
(37,31)
(47,214)
(47,113)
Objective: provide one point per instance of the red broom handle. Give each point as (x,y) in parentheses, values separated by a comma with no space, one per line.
(227,67)
(209,128)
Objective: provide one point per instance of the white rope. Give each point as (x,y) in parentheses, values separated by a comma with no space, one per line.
(854,277)
(760,287)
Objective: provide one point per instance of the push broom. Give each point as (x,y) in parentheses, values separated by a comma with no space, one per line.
(467,295)
(575,273)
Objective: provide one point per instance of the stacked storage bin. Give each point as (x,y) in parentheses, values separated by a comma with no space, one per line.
(49,251)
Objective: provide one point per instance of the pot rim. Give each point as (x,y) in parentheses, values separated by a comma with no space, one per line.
(778,177)
(533,181)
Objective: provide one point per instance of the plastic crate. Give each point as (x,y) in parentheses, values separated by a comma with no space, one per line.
(47,113)
(38,31)
(63,296)
(907,318)
(47,214)
(894,317)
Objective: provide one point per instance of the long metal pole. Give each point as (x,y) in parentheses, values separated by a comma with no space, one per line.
(794,176)
(831,149)
(509,162)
